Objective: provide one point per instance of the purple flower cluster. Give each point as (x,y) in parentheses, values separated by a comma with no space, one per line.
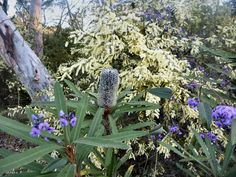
(223,115)
(175,129)
(39,125)
(211,136)
(193,102)
(192,85)
(158,137)
(159,15)
(66,119)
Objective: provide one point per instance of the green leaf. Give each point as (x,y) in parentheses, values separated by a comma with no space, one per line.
(227,156)
(59,98)
(21,159)
(124,136)
(219,53)
(129,171)
(108,158)
(206,152)
(233,132)
(56,163)
(112,124)
(174,149)
(205,114)
(123,160)
(68,171)
(138,126)
(31,166)
(80,113)
(103,142)
(186,171)
(135,107)
(72,86)
(61,105)
(96,121)
(123,94)
(161,92)
(22,134)
(217,94)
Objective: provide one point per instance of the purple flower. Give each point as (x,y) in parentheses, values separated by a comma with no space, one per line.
(71,115)
(159,16)
(63,122)
(201,68)
(193,102)
(43,126)
(223,115)
(192,85)
(159,137)
(46,139)
(73,121)
(41,115)
(153,137)
(50,129)
(212,137)
(61,113)
(226,69)
(202,135)
(224,82)
(169,9)
(192,64)
(34,118)
(35,132)
(173,128)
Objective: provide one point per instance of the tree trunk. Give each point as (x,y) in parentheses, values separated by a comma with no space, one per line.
(36,26)
(22,60)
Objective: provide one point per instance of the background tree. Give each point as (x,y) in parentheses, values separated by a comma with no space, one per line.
(17,55)
(36,26)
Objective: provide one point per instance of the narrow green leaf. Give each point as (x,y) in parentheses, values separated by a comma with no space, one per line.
(80,113)
(112,124)
(96,121)
(161,92)
(123,160)
(22,134)
(227,156)
(33,166)
(211,149)
(108,156)
(124,136)
(21,159)
(98,141)
(205,114)
(138,126)
(174,149)
(186,171)
(129,171)
(231,172)
(100,158)
(56,163)
(206,151)
(59,98)
(233,132)
(72,86)
(68,171)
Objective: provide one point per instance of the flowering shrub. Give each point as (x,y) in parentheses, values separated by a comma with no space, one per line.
(90,138)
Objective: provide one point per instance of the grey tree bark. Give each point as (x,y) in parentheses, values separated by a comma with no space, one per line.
(18,56)
(36,26)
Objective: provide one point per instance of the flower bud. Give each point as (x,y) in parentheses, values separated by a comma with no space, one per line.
(108,86)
